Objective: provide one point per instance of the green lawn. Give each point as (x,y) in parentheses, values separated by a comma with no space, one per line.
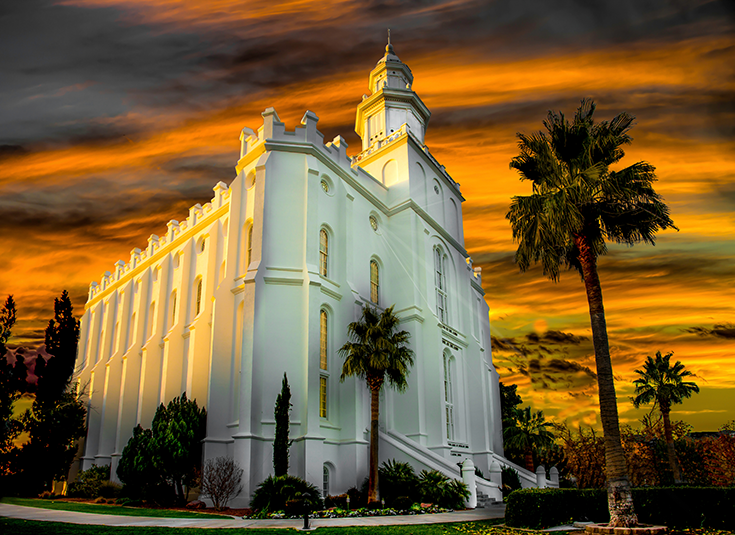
(27,527)
(104,509)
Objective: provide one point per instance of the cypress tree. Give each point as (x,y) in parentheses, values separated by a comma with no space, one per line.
(281,442)
(62,337)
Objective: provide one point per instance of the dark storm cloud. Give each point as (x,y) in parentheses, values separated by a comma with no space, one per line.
(723,330)
(556,337)
(90,209)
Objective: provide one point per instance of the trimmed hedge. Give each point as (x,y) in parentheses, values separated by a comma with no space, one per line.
(675,507)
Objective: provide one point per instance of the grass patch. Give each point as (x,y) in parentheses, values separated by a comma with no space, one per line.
(101,509)
(28,527)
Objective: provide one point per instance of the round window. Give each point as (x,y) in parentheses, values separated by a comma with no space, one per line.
(373,222)
(325,186)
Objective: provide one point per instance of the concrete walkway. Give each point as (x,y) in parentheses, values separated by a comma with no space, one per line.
(70,517)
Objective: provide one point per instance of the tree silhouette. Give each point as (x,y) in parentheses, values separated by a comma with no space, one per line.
(663,385)
(576,205)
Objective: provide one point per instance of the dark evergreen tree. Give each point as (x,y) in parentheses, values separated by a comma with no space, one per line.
(137,469)
(177,433)
(509,400)
(62,337)
(56,420)
(9,428)
(20,374)
(54,427)
(40,368)
(281,443)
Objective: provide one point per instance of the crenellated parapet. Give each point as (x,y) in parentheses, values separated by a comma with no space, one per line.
(273,134)
(198,217)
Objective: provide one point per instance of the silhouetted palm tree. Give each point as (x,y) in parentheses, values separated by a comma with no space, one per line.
(527,431)
(576,205)
(375,350)
(664,385)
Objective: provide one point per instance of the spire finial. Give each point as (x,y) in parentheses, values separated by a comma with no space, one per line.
(389,47)
(388,35)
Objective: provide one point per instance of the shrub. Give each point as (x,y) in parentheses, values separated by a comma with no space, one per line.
(357,499)
(136,468)
(273,493)
(542,508)
(675,507)
(438,489)
(403,503)
(108,489)
(511,480)
(339,501)
(397,479)
(221,480)
(89,481)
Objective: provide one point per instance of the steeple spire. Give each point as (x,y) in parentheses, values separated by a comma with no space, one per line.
(392,102)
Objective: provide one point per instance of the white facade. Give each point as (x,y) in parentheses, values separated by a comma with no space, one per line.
(265,279)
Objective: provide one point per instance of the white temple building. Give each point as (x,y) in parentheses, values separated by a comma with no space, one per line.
(265,278)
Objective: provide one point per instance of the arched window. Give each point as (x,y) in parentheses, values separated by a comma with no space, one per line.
(322,397)
(199,296)
(374,282)
(173,308)
(250,247)
(323,339)
(448,396)
(116,336)
(325,482)
(441,289)
(202,245)
(151,314)
(323,252)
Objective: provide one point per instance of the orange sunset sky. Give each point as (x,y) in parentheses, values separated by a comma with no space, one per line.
(116,116)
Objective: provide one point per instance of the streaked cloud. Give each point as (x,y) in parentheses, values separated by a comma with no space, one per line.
(119,115)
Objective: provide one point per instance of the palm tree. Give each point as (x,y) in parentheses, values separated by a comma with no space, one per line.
(526,432)
(576,205)
(375,350)
(664,385)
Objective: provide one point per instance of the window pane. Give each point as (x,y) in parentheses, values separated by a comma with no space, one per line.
(250,245)
(323,397)
(374,282)
(323,340)
(199,297)
(323,252)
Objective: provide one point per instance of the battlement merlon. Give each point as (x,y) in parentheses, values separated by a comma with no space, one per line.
(273,131)
(198,218)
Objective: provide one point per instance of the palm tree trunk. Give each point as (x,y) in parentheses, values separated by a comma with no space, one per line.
(675,468)
(619,495)
(375,384)
(528,460)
